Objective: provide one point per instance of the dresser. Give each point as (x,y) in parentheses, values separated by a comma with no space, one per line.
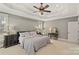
(10,40)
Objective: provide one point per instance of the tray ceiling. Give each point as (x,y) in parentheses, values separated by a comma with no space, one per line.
(27,10)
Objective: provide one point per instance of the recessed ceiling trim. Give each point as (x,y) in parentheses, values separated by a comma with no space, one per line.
(62,11)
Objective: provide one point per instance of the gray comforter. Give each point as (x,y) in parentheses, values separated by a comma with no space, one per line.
(33,44)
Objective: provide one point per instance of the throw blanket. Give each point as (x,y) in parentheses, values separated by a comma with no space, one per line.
(33,44)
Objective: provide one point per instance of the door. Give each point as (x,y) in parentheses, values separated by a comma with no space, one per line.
(73,31)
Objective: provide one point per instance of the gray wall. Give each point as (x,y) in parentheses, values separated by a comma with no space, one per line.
(22,24)
(25,24)
(61,25)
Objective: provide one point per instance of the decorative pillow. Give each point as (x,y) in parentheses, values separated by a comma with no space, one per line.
(33,34)
(22,34)
(27,34)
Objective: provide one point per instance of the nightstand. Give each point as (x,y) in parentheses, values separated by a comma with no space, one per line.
(10,40)
(54,35)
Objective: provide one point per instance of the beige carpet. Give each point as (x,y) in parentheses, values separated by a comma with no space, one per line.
(56,47)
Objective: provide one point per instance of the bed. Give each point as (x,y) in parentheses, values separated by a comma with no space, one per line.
(31,42)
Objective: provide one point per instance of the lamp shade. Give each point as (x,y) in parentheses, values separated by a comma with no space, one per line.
(50,29)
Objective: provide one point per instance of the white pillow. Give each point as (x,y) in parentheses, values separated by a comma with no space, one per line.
(22,34)
(27,34)
(33,34)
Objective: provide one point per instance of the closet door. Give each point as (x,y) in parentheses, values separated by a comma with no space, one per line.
(73,31)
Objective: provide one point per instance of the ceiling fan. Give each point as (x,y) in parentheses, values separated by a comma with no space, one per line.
(42,8)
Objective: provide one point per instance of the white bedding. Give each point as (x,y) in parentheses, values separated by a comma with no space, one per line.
(33,44)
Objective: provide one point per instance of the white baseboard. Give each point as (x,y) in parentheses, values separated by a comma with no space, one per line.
(69,41)
(62,39)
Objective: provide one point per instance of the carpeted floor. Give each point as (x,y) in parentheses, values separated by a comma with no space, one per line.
(55,48)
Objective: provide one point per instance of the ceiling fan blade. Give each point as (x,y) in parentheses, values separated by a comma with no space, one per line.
(35,7)
(46,6)
(47,11)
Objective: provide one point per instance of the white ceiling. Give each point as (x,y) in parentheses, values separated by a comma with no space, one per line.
(27,10)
